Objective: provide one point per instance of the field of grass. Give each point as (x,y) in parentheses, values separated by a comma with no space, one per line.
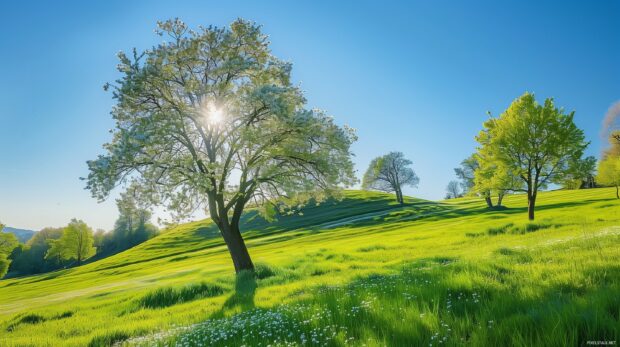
(363,271)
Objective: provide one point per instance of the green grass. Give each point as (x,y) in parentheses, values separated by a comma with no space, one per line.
(360,271)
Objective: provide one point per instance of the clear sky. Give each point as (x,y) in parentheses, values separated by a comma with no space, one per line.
(416,77)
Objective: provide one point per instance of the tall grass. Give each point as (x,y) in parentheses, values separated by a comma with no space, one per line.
(164,297)
(402,279)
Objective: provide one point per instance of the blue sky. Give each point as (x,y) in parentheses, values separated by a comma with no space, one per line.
(417,77)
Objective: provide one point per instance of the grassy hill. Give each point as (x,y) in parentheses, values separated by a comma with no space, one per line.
(360,271)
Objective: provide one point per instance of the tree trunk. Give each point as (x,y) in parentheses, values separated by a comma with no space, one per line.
(488,200)
(500,197)
(238,251)
(400,196)
(531,204)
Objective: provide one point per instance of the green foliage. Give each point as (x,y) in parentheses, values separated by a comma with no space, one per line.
(390,173)
(132,227)
(31,258)
(580,174)
(8,242)
(76,243)
(609,172)
(164,297)
(4,265)
(211,101)
(530,146)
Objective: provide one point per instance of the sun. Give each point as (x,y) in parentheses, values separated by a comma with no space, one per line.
(213,114)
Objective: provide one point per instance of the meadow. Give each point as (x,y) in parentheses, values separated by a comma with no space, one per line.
(363,271)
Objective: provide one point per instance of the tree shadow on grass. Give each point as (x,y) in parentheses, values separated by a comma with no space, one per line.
(243,297)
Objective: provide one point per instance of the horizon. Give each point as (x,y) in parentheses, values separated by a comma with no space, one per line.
(400,74)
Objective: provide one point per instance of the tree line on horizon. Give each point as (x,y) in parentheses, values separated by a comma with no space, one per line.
(56,248)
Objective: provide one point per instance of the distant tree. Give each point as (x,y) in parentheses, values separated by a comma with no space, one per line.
(465,173)
(390,173)
(75,243)
(8,242)
(536,143)
(453,190)
(31,258)
(609,172)
(580,174)
(211,119)
(131,228)
(614,145)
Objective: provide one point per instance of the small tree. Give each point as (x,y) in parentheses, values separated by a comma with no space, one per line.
(8,242)
(389,173)
(212,120)
(453,190)
(580,174)
(535,143)
(76,243)
(609,172)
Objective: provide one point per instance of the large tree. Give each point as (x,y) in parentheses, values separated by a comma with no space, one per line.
(390,173)
(211,119)
(536,143)
(76,243)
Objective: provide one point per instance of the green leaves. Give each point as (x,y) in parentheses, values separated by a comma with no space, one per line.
(528,147)
(75,243)
(537,143)
(267,144)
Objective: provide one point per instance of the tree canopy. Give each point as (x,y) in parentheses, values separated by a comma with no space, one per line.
(8,242)
(535,143)
(609,172)
(389,173)
(210,119)
(76,243)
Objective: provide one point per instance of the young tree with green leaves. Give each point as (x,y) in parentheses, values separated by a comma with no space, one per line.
(609,172)
(211,119)
(8,242)
(76,243)
(390,173)
(533,142)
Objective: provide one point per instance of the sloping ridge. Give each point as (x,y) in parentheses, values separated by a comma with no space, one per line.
(201,235)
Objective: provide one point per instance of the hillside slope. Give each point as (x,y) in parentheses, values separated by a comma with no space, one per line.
(23,235)
(379,274)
